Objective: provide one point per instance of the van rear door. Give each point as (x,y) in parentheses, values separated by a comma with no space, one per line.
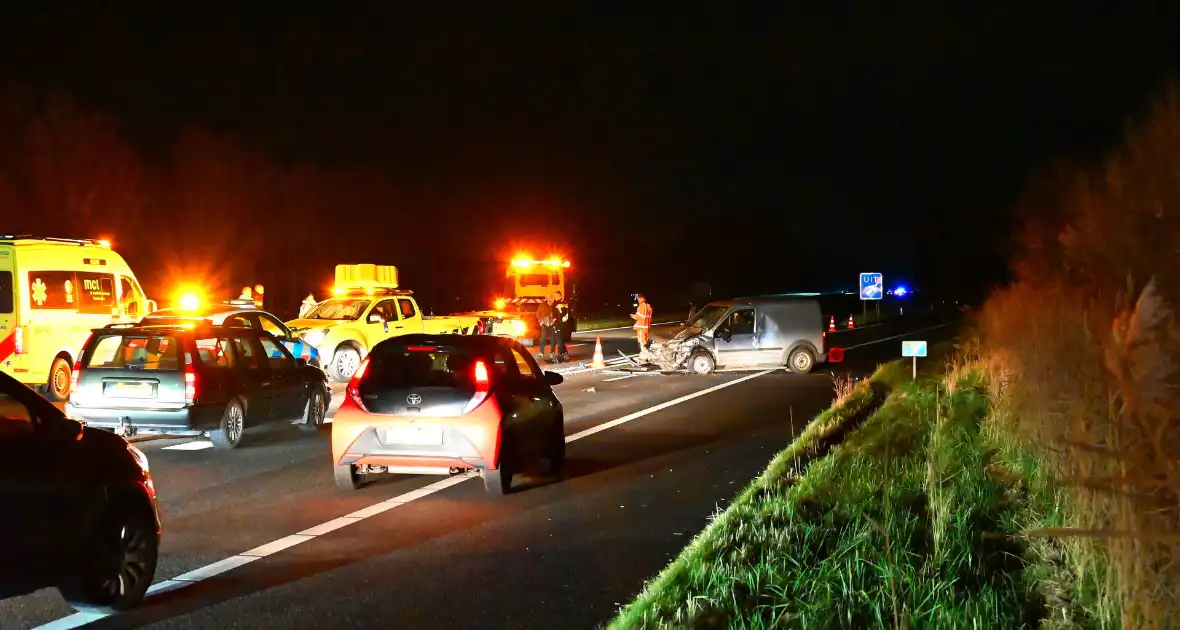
(7,301)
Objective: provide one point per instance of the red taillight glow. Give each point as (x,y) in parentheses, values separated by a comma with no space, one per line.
(190,385)
(483,385)
(354,384)
(421,348)
(74,375)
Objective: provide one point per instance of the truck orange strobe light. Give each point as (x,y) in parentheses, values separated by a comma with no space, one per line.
(366,308)
(529,282)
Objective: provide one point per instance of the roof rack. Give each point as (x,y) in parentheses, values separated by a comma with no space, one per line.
(240,302)
(54,239)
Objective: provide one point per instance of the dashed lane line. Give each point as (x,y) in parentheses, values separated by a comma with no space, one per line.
(233,562)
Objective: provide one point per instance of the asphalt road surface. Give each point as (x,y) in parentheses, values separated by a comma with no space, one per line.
(261,538)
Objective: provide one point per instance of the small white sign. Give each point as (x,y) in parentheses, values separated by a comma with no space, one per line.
(913,348)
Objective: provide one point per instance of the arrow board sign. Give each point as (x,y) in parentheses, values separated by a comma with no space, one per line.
(913,348)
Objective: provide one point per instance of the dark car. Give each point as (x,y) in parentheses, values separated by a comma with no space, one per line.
(79,507)
(194,378)
(444,404)
(238,313)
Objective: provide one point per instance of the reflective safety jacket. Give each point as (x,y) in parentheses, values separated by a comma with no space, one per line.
(643,319)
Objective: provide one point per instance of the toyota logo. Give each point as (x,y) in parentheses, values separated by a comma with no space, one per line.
(414,399)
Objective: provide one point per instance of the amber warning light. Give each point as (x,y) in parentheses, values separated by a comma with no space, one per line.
(528,262)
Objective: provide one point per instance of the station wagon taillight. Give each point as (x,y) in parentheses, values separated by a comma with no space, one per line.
(483,385)
(74,375)
(190,385)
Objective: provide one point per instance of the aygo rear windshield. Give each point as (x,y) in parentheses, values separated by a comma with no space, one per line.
(421,366)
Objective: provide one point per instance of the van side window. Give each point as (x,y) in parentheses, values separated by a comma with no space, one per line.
(96,293)
(742,322)
(52,290)
(131,298)
(7,293)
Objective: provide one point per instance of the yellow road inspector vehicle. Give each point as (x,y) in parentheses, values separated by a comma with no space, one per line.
(53,292)
(366,308)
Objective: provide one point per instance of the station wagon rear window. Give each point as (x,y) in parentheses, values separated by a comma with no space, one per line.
(134,352)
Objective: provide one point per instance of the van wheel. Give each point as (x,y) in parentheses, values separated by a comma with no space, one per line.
(313,413)
(801,361)
(344,364)
(702,364)
(57,388)
(228,434)
(348,477)
(498,482)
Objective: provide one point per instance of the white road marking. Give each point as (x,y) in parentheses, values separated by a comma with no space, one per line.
(271,548)
(675,401)
(618,378)
(196,445)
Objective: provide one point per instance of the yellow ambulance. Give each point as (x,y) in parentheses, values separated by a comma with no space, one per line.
(53,292)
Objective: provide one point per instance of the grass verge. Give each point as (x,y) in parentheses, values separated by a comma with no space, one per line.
(900,506)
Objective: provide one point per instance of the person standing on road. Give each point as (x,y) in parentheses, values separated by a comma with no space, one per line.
(642,317)
(308,304)
(562,315)
(546,320)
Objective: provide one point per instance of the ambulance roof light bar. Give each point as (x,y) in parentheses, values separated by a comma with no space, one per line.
(54,239)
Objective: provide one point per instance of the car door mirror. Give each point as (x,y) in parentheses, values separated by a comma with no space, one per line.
(375,318)
(300,362)
(553,379)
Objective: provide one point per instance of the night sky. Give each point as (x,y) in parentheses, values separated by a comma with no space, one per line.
(759,149)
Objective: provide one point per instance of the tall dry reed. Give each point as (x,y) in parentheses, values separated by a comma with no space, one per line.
(1083,359)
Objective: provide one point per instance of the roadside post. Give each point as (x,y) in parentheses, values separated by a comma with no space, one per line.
(872,287)
(913,349)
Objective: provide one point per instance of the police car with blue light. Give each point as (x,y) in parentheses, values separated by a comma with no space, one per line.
(237,314)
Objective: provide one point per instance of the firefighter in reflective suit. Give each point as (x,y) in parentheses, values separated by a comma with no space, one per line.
(642,317)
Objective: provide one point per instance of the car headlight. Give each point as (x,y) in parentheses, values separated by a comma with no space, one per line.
(315,337)
(139,456)
(518,327)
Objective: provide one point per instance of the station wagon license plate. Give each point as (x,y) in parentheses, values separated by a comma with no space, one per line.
(414,436)
(129,390)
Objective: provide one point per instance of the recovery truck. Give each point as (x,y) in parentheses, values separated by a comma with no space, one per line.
(528,283)
(366,308)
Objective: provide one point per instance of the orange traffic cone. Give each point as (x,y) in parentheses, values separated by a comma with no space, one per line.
(850,323)
(832,324)
(598,362)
